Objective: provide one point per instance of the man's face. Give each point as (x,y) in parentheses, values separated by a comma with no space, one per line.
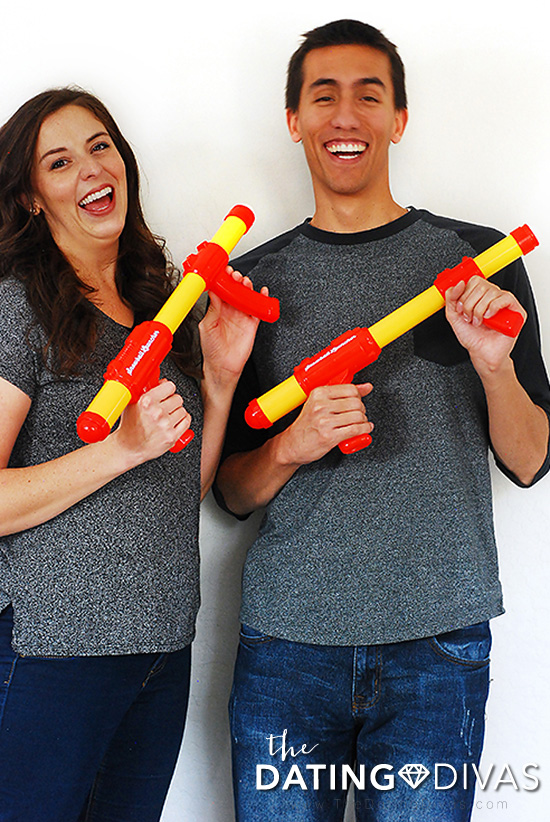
(346,119)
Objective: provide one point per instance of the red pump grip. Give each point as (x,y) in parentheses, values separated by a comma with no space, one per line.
(245,299)
(506,321)
(210,262)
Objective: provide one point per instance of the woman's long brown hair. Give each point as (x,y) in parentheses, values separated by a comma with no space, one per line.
(144,274)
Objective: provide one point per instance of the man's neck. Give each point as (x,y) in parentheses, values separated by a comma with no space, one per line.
(347,215)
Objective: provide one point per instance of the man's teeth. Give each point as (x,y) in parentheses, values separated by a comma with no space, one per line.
(346,148)
(97,195)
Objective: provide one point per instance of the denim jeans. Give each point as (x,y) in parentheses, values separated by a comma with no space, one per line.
(316,716)
(88,738)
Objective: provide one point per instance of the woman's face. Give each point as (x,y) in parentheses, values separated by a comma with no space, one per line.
(79,182)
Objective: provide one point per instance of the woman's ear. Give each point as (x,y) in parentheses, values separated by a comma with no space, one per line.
(29,205)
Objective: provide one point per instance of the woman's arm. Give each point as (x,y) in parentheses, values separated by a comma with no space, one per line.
(227,336)
(32,495)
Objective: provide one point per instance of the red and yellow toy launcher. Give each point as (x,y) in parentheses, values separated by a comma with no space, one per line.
(352,351)
(137,366)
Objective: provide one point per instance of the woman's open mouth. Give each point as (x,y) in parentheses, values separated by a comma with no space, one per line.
(98,201)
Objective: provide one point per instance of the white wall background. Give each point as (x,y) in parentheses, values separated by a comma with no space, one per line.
(198,90)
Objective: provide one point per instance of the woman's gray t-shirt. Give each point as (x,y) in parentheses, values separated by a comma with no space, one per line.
(116,573)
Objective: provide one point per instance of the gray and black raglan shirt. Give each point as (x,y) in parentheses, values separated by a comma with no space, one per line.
(116,573)
(395,542)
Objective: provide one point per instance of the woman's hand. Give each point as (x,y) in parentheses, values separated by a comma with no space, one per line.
(151,426)
(227,336)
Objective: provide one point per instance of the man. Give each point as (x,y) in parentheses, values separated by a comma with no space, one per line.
(367,593)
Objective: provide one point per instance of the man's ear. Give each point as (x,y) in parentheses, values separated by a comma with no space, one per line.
(401,119)
(292,123)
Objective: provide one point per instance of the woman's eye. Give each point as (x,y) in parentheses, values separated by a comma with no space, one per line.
(59,163)
(100,146)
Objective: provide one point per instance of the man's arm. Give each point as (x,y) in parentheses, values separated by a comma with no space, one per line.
(331,414)
(518,428)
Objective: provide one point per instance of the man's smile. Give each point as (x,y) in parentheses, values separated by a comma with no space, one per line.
(346,149)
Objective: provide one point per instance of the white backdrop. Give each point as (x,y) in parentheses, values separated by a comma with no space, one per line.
(198,91)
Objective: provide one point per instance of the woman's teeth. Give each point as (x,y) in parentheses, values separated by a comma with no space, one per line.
(96,195)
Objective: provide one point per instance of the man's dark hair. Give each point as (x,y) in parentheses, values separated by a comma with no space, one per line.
(344,33)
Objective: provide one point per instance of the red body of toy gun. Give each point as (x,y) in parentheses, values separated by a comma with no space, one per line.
(354,350)
(137,367)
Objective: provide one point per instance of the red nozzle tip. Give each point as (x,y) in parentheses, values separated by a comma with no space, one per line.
(91,427)
(255,417)
(525,238)
(243,213)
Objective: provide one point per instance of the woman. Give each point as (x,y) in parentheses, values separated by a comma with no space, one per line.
(98,543)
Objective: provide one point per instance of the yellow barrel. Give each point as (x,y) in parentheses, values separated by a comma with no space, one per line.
(183,298)
(283,398)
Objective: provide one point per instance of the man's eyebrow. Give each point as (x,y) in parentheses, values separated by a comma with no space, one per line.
(364,81)
(64,148)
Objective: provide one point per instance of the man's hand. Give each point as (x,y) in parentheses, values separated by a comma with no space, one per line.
(467,305)
(330,415)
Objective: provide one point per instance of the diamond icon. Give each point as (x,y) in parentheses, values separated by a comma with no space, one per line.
(413,775)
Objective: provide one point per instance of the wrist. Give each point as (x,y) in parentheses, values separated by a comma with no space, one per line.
(283,451)
(217,395)
(494,377)
(218,379)
(118,454)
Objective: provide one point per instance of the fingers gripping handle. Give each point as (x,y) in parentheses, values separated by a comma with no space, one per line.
(505,321)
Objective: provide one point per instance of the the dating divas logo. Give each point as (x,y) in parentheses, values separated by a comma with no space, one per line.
(382,777)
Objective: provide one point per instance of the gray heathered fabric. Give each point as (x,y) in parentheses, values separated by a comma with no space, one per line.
(395,542)
(118,572)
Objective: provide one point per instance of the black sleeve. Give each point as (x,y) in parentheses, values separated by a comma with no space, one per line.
(527,357)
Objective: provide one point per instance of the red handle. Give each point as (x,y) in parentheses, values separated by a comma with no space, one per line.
(355,444)
(184,440)
(245,299)
(506,321)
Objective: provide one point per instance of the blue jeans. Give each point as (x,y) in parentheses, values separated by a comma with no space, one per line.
(307,721)
(88,738)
